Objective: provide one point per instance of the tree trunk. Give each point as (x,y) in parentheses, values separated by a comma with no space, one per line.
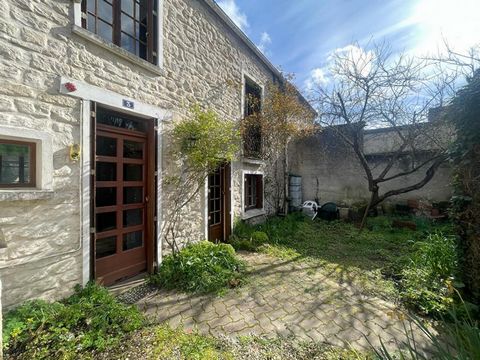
(374,200)
(285,180)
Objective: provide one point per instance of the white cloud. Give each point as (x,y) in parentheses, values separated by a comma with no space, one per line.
(265,40)
(360,61)
(318,77)
(233,11)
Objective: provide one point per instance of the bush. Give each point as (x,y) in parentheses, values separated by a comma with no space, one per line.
(427,282)
(252,243)
(89,320)
(203,267)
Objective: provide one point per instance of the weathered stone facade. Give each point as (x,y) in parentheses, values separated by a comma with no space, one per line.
(204,61)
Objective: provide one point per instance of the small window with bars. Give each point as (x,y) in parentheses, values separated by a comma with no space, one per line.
(130,24)
(252,139)
(17,164)
(253,191)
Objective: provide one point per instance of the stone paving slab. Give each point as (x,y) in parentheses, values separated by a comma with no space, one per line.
(277,301)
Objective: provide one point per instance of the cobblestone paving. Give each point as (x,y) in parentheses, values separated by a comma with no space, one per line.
(285,298)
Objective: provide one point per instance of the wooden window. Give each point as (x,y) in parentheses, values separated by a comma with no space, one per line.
(130,24)
(17,164)
(253,191)
(252,108)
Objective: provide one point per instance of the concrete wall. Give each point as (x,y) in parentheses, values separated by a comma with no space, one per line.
(331,171)
(204,61)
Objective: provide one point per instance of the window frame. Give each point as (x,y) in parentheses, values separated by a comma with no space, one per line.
(153,23)
(259,191)
(250,151)
(33,164)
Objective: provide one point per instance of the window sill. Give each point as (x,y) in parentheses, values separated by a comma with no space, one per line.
(249,160)
(253,213)
(25,194)
(87,35)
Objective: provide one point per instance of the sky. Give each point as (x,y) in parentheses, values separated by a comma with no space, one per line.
(298,36)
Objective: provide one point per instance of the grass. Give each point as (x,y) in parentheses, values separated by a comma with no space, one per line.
(371,260)
(162,342)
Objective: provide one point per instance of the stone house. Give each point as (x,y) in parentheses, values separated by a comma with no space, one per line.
(87,90)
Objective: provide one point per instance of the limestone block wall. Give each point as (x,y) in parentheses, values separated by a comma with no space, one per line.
(204,62)
(331,172)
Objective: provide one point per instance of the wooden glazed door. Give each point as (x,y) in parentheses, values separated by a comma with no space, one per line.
(120,200)
(219,227)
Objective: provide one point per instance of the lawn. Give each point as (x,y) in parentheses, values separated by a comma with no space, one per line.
(371,260)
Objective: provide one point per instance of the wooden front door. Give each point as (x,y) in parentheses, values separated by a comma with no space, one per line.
(219,227)
(122,179)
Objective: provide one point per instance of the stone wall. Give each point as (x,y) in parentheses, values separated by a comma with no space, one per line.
(331,172)
(203,62)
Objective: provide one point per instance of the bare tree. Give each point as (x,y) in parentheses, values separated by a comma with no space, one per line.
(374,89)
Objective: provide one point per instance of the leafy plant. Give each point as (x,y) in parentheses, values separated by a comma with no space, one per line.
(427,282)
(89,320)
(202,268)
(250,243)
(459,340)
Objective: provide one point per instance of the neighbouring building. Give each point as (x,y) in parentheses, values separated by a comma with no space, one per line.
(87,89)
(331,171)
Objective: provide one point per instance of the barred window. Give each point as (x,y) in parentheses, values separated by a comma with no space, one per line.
(17,164)
(130,24)
(252,107)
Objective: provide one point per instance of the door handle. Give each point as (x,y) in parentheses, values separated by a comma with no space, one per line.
(146,199)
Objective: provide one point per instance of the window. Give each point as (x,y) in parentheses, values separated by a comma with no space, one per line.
(17,164)
(253,191)
(252,108)
(130,24)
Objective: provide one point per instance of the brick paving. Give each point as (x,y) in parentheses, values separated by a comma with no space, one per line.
(286,298)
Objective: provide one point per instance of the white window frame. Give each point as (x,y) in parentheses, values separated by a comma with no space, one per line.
(94,38)
(43,162)
(252,212)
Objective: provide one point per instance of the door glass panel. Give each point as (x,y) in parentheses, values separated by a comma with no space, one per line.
(106,146)
(132,217)
(110,118)
(132,172)
(105,247)
(132,149)
(132,195)
(132,240)
(106,171)
(106,221)
(106,196)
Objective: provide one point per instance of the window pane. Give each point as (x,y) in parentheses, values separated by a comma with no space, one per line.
(105,31)
(132,149)
(110,118)
(106,171)
(106,221)
(128,25)
(91,6)
(105,11)
(133,195)
(128,43)
(132,172)
(106,146)
(132,217)
(105,247)
(106,196)
(91,23)
(15,163)
(127,6)
(132,240)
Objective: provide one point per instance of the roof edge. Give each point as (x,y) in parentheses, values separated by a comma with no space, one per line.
(226,19)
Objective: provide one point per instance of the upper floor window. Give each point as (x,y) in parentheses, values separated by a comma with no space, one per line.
(130,24)
(252,138)
(17,164)
(253,192)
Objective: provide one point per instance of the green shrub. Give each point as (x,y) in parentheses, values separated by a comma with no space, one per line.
(202,267)
(251,243)
(427,282)
(89,320)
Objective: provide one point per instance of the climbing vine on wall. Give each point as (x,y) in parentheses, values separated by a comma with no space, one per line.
(465,155)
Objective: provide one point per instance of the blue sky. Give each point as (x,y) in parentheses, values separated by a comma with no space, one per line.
(299,35)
